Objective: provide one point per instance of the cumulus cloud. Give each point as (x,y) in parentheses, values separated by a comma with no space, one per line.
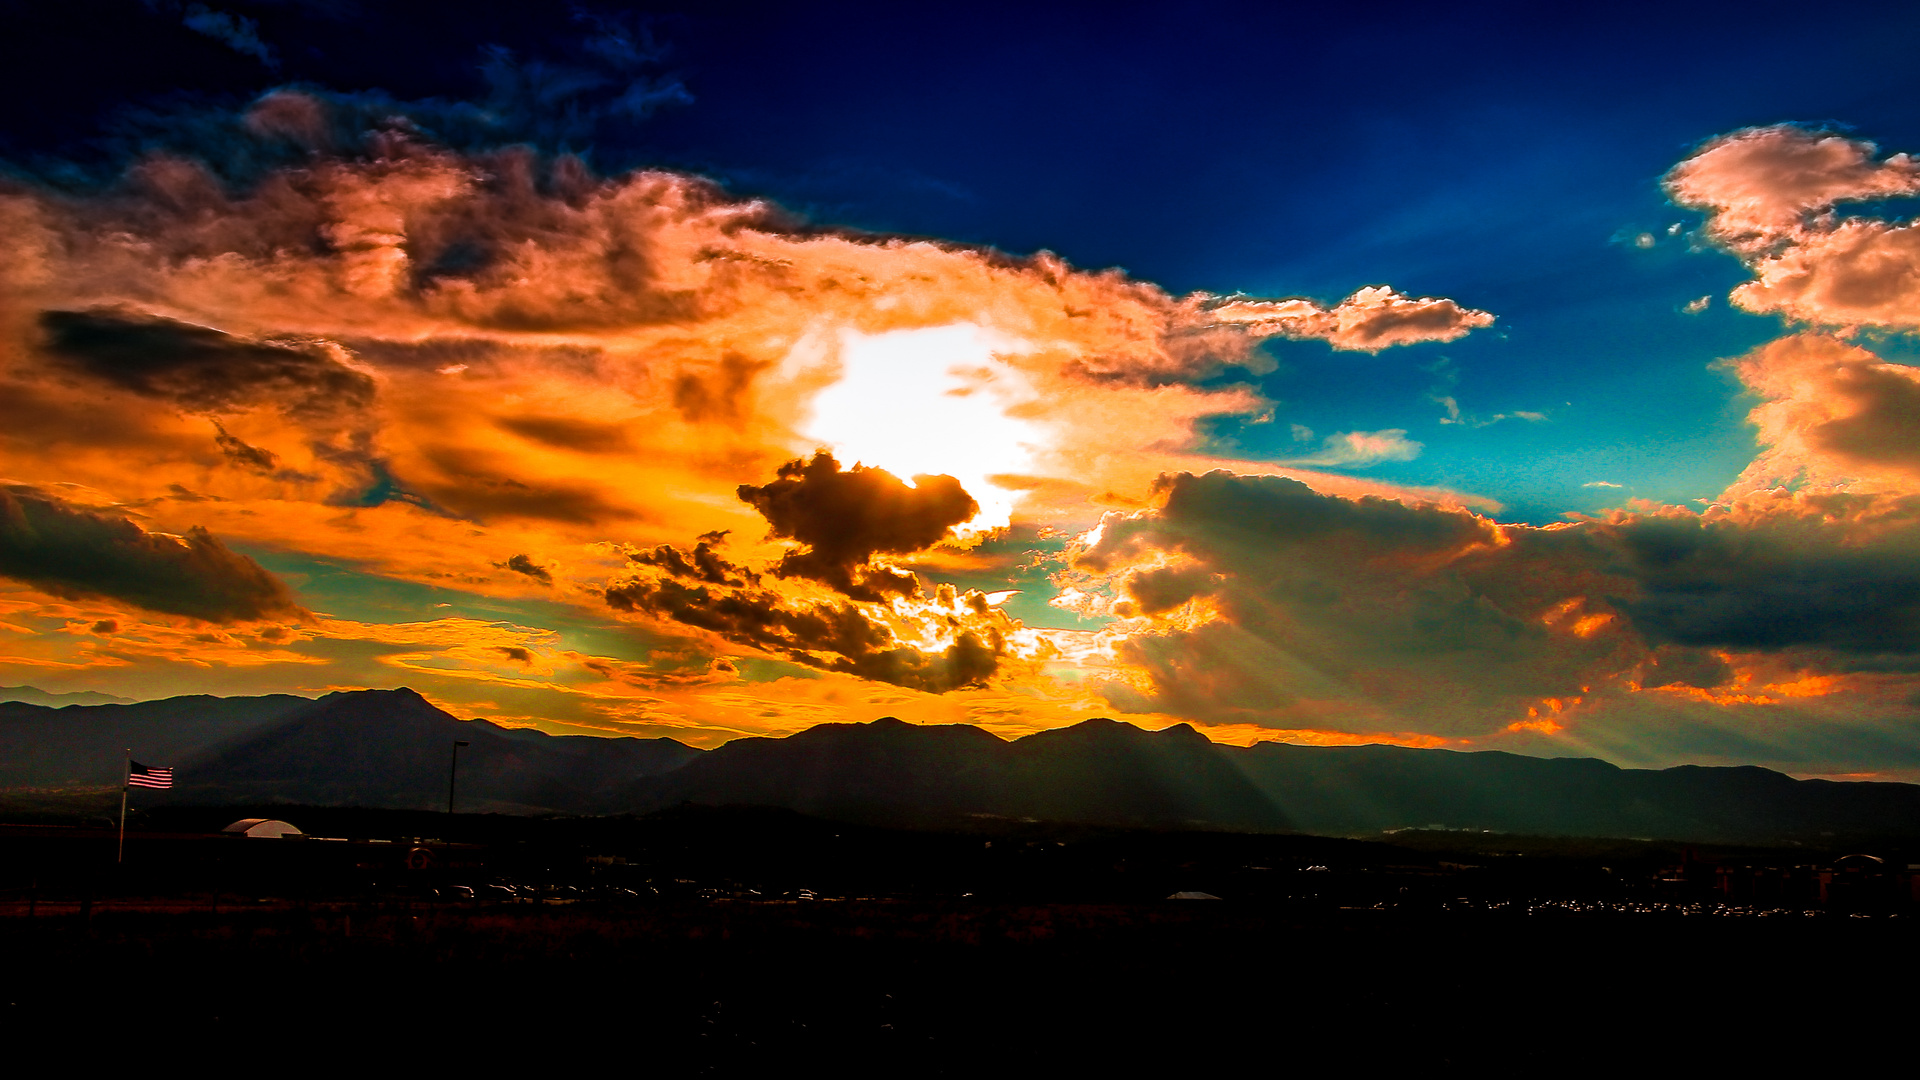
(1761,183)
(1372,319)
(846,517)
(1774,195)
(881,626)
(1832,414)
(71,551)
(835,636)
(524,564)
(1832,571)
(703,563)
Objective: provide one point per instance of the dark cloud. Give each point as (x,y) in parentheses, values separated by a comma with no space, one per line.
(243,454)
(1165,588)
(524,564)
(1885,429)
(845,518)
(1675,666)
(833,637)
(515,653)
(517,208)
(200,369)
(75,552)
(1368,612)
(578,81)
(258,459)
(701,564)
(1363,614)
(568,433)
(614,72)
(1779,582)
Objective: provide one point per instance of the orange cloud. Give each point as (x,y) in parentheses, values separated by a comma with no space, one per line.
(1772,197)
(1832,414)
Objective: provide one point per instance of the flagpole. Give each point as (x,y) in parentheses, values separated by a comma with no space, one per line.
(453,771)
(126,774)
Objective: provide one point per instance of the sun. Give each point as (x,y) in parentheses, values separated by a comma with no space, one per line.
(932,401)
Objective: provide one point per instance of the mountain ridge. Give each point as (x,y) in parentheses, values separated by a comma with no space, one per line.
(392,748)
(33,695)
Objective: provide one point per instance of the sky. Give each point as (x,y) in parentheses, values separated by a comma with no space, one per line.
(1476,376)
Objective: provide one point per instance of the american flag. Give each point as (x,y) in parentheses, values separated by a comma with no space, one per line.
(139,775)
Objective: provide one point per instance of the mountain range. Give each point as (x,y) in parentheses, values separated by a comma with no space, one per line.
(33,695)
(391,748)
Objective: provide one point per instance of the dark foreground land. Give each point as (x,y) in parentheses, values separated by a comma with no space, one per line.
(706,942)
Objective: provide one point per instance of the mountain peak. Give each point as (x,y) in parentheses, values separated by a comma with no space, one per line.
(1101,728)
(400,697)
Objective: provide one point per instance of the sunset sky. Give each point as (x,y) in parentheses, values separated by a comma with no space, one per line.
(1454,376)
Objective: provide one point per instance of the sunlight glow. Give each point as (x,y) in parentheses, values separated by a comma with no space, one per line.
(933,401)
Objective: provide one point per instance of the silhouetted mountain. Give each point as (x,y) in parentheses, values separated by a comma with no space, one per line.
(1113,773)
(33,695)
(843,770)
(1366,789)
(889,771)
(1103,772)
(390,748)
(87,744)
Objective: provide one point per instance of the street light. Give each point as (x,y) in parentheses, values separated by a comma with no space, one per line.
(453,771)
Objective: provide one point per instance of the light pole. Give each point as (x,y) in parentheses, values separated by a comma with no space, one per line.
(453,771)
